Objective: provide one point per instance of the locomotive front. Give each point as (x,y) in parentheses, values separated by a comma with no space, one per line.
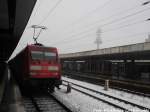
(44,67)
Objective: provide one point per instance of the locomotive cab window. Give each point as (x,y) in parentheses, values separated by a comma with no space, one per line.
(49,56)
(37,55)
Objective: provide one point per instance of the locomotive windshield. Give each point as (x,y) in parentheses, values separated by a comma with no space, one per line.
(49,56)
(43,55)
(37,55)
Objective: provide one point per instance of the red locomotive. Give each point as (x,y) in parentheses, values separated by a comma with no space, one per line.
(37,66)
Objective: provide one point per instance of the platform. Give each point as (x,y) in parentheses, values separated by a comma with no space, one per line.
(138,51)
(11,100)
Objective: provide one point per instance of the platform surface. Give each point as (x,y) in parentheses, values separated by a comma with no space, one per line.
(11,98)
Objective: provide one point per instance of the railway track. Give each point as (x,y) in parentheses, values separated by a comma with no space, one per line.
(100,81)
(111,100)
(43,103)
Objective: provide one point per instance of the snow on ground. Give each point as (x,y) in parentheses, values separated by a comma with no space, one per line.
(82,103)
(119,103)
(141,100)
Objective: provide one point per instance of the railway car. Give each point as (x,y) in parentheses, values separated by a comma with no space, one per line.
(37,66)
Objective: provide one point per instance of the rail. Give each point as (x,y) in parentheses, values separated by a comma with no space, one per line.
(43,102)
(113,87)
(108,96)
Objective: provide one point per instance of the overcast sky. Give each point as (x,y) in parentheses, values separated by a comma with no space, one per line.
(72,24)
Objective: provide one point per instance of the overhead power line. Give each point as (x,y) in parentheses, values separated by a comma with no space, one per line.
(93,11)
(89,13)
(87,36)
(113,15)
(37,8)
(108,23)
(73,39)
(121,12)
(89,33)
(51,10)
(127,25)
(111,40)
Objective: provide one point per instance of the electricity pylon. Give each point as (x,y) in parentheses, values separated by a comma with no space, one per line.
(98,40)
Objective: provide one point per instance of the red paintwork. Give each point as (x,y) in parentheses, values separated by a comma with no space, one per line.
(21,64)
(44,73)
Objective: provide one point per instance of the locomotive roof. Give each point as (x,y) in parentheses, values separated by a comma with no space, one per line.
(33,46)
(40,46)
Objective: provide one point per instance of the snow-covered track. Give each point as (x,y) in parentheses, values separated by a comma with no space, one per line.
(108,98)
(122,85)
(132,92)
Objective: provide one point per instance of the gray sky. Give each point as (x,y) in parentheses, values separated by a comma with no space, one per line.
(72,25)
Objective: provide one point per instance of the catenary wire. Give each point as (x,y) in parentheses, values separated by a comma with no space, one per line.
(108,41)
(113,15)
(93,11)
(51,10)
(108,23)
(86,36)
(37,8)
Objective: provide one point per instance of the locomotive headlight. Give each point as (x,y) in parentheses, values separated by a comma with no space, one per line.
(53,68)
(35,67)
